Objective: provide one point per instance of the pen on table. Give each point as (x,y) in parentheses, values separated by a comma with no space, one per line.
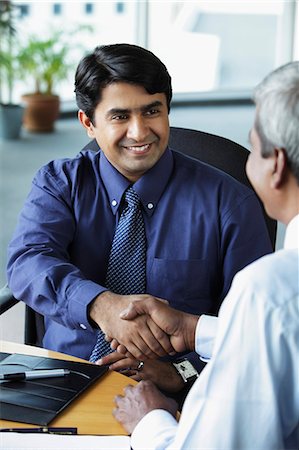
(49,430)
(32,374)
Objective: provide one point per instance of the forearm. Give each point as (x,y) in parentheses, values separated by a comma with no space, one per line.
(40,269)
(53,287)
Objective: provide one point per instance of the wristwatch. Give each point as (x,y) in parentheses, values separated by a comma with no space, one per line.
(186,370)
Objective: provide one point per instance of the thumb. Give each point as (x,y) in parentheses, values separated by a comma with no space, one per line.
(129,313)
(139,307)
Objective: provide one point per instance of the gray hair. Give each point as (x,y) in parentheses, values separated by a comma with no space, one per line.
(277,117)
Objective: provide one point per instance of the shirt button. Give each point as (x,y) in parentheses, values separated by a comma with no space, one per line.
(83,326)
(114,203)
(150,205)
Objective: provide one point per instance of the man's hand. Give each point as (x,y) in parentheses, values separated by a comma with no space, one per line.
(161,373)
(138,401)
(180,326)
(142,337)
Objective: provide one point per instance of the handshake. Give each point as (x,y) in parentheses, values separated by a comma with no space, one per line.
(159,330)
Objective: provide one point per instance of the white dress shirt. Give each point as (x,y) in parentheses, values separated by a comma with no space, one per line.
(247,397)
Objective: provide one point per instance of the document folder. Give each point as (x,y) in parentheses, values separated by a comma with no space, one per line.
(39,401)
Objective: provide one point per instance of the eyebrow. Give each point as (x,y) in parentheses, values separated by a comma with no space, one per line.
(142,108)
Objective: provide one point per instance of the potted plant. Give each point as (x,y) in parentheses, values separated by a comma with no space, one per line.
(10,113)
(45,61)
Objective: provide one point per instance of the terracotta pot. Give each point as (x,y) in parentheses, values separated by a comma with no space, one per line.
(41,112)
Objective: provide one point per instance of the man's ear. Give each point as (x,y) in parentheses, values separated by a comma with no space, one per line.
(279,168)
(87,123)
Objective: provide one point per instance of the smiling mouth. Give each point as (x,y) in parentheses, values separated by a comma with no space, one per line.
(138,148)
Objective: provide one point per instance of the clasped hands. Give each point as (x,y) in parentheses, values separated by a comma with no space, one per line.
(143,326)
(173,330)
(178,327)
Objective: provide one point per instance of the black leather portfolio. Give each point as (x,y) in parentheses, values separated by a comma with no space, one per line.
(38,401)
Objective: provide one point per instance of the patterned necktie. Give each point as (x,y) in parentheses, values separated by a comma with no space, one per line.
(126,273)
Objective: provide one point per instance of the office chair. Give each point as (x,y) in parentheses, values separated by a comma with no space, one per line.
(214,150)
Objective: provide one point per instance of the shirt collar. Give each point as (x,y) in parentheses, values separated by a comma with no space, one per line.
(149,187)
(291,239)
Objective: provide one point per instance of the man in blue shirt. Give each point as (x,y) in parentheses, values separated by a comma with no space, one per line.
(201,225)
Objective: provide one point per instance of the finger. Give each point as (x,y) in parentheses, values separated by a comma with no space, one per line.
(108,338)
(124,364)
(161,337)
(142,344)
(127,372)
(117,398)
(139,350)
(110,359)
(139,340)
(115,412)
(147,329)
(136,376)
(121,349)
(129,389)
(114,344)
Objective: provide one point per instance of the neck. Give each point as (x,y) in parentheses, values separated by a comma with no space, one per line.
(289,204)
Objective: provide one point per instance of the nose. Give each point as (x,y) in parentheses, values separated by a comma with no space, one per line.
(137,129)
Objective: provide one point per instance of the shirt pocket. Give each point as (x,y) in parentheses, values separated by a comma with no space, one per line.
(186,284)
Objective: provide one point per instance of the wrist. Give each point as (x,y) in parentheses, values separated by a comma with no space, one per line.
(99,308)
(189,330)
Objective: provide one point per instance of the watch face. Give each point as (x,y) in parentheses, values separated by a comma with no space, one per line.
(186,370)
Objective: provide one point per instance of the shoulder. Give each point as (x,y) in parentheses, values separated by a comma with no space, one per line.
(84,158)
(208,175)
(67,170)
(212,185)
(272,278)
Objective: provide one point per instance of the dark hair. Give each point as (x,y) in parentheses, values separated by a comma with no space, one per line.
(119,62)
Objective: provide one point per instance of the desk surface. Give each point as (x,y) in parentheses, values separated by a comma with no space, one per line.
(91,412)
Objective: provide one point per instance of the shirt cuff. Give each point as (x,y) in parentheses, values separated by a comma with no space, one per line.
(157,429)
(205,333)
(80,296)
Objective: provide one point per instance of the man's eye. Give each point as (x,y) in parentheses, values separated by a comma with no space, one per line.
(151,112)
(120,117)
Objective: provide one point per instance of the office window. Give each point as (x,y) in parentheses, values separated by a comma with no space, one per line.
(108,26)
(24,10)
(120,7)
(89,8)
(220,45)
(208,46)
(57,9)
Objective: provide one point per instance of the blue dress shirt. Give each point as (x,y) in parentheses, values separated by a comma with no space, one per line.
(202,227)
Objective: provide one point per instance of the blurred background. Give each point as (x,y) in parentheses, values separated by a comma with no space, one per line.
(215,51)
